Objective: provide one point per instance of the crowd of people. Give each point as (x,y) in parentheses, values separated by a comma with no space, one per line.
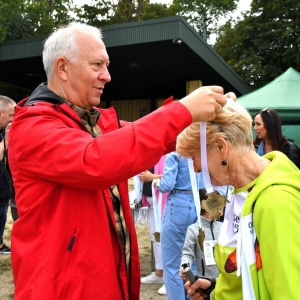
(68,189)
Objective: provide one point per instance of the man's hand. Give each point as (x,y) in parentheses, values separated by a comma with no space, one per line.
(1,149)
(231,95)
(204,103)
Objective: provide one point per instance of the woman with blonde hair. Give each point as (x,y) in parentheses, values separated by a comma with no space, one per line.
(255,252)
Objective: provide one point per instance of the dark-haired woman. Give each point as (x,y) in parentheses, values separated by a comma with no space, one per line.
(267,125)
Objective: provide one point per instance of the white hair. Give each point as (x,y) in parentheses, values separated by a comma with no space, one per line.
(62,42)
(4,102)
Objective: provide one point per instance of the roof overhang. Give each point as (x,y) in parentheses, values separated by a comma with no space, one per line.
(149,59)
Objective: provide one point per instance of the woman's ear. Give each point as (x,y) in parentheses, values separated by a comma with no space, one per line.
(222,147)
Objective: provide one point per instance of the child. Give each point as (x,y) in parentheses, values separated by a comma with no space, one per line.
(191,250)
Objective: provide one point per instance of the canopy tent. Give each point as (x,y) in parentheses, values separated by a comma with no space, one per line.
(283,95)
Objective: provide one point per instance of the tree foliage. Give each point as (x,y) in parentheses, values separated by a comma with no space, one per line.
(101,12)
(24,18)
(28,18)
(156,10)
(263,44)
(204,12)
(98,14)
(7,16)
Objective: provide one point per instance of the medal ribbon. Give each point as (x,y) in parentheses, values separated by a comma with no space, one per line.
(157,208)
(195,190)
(206,178)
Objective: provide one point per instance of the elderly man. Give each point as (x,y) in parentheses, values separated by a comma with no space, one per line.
(7,110)
(71,161)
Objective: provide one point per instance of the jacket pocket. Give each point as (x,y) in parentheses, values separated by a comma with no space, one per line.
(71,258)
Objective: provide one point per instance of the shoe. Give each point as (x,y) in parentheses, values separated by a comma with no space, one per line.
(152,278)
(4,249)
(162,291)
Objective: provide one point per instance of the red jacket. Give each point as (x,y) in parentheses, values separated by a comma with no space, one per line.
(64,244)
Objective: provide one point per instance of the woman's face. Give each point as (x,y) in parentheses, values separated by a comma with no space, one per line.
(259,127)
(217,171)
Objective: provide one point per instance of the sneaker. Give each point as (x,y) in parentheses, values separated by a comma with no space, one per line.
(162,290)
(4,249)
(152,278)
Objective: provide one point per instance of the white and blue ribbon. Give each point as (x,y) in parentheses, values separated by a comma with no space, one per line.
(203,154)
(157,208)
(195,190)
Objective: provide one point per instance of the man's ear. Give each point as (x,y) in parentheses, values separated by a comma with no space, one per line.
(222,146)
(61,66)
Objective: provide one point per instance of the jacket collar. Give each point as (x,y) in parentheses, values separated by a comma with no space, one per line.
(43,94)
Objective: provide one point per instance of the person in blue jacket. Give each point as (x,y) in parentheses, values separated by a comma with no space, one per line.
(179,213)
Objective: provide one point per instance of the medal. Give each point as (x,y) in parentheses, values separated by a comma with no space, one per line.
(214,203)
(201,238)
(157,236)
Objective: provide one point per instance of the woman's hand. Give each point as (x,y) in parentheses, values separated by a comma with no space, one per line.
(156,181)
(192,288)
(147,176)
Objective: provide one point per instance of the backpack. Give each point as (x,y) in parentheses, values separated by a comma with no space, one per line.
(292,151)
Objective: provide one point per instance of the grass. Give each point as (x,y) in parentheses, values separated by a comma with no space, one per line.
(5,265)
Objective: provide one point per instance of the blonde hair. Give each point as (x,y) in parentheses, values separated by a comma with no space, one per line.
(233,123)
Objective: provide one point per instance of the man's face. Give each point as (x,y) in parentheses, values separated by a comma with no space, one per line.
(86,78)
(6,116)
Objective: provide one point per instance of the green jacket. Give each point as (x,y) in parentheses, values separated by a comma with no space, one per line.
(268,233)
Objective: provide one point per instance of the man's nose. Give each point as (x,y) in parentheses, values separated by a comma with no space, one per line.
(105,75)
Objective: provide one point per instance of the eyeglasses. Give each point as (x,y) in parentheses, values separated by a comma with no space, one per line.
(267,111)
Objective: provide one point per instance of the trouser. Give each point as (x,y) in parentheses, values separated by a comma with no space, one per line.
(3,217)
(14,213)
(179,213)
(156,245)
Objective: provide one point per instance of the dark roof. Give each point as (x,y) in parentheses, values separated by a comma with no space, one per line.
(145,61)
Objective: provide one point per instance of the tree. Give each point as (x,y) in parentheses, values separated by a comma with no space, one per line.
(101,12)
(130,11)
(156,10)
(7,13)
(47,15)
(263,44)
(201,13)
(27,18)
(98,14)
